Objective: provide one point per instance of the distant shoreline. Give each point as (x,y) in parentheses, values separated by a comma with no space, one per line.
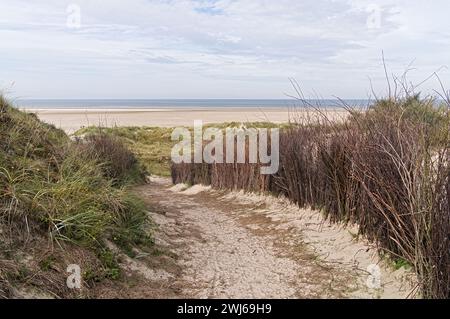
(180,103)
(131,109)
(72,119)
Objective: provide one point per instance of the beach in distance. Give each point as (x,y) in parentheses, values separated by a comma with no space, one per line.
(71,115)
(71,120)
(233,157)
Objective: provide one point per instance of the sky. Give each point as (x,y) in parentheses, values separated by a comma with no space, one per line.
(219,48)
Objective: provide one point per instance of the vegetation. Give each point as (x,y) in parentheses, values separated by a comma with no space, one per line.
(153,145)
(387,169)
(72,192)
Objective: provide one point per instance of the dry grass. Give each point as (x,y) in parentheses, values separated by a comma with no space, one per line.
(118,163)
(386,169)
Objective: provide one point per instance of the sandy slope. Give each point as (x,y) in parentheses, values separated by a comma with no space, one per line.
(232,245)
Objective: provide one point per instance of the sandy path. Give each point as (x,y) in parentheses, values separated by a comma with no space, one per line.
(231,245)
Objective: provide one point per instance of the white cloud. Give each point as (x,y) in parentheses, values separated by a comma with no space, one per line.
(223,48)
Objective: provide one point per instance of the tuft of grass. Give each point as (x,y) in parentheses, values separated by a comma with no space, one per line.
(400,263)
(118,163)
(111,266)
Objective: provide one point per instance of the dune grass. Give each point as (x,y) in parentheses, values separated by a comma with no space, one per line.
(153,145)
(73,192)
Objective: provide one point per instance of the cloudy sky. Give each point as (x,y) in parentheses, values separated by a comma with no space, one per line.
(217,49)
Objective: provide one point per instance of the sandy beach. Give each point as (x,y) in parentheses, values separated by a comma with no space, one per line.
(71,120)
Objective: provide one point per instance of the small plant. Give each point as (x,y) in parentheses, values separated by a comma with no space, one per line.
(111,267)
(47,263)
(400,263)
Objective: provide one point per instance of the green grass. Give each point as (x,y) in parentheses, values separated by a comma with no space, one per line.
(153,145)
(73,191)
(401,263)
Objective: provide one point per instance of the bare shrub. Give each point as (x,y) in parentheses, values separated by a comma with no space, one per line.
(386,169)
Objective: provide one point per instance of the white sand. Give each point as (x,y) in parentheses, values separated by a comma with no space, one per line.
(243,245)
(334,244)
(71,120)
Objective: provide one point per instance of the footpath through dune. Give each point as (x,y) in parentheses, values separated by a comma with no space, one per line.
(217,244)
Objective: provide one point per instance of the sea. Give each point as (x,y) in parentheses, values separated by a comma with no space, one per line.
(181,103)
